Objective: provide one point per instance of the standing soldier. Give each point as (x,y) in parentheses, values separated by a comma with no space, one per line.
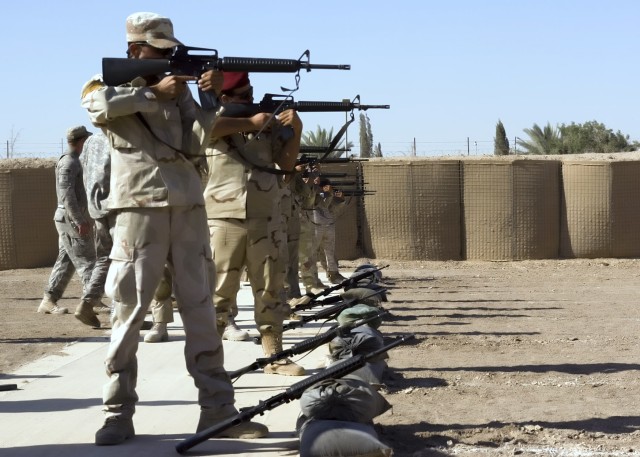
(328,203)
(96,170)
(75,245)
(243,207)
(307,245)
(157,134)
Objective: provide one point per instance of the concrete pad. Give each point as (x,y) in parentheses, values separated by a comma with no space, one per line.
(58,405)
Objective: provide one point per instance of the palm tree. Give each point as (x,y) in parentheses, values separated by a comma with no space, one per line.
(321,137)
(547,140)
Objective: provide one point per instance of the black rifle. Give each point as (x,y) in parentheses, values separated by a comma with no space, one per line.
(306,345)
(305,149)
(273,103)
(116,71)
(293,392)
(310,298)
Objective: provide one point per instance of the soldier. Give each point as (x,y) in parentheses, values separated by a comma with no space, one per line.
(75,245)
(307,253)
(242,200)
(96,171)
(157,134)
(327,203)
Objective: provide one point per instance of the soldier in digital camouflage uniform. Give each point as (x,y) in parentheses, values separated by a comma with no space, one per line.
(75,244)
(96,170)
(157,134)
(243,206)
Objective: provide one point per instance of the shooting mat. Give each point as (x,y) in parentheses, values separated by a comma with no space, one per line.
(415,211)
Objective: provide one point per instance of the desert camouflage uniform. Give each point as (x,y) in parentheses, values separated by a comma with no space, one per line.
(157,194)
(75,252)
(307,253)
(291,210)
(243,207)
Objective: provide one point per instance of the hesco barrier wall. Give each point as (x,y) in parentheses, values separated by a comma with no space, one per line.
(510,209)
(600,214)
(28,237)
(415,211)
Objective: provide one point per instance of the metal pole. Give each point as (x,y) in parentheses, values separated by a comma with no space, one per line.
(468,146)
(515,145)
(7,149)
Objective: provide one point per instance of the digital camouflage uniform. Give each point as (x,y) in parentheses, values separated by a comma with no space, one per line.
(96,164)
(157,194)
(75,252)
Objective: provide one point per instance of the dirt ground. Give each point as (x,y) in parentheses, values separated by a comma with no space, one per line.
(510,358)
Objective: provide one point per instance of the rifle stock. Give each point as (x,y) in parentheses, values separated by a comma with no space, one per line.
(293,392)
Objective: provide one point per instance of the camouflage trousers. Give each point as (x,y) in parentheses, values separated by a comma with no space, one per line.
(103,241)
(325,242)
(253,243)
(143,238)
(74,253)
(291,281)
(307,253)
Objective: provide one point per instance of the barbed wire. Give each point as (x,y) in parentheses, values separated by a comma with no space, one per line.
(24,150)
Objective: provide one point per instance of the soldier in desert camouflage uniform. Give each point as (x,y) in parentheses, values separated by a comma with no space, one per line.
(75,245)
(157,134)
(307,245)
(243,206)
(328,204)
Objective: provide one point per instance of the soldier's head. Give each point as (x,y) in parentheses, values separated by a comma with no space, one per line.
(76,136)
(150,36)
(236,87)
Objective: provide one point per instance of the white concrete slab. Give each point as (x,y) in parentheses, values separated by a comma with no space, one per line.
(57,407)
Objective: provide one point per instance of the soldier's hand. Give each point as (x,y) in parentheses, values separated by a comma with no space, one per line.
(261,119)
(171,86)
(84,229)
(211,81)
(290,117)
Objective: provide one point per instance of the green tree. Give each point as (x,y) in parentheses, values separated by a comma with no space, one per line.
(366,137)
(500,142)
(593,136)
(545,140)
(322,137)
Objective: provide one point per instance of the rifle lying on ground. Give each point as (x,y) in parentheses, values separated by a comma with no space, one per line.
(294,392)
(306,345)
(273,103)
(116,71)
(310,298)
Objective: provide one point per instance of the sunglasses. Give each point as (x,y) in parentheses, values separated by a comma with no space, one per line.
(168,52)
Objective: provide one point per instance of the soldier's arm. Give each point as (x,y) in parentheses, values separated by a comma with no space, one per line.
(68,174)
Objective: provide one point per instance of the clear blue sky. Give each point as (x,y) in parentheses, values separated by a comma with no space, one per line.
(449,69)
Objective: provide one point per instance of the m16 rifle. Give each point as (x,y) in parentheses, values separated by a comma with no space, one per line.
(293,392)
(306,345)
(117,71)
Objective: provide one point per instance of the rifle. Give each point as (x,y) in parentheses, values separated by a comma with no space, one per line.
(116,71)
(306,345)
(305,149)
(273,103)
(293,392)
(309,298)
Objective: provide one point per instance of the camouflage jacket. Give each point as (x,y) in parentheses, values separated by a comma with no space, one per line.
(96,169)
(154,143)
(72,199)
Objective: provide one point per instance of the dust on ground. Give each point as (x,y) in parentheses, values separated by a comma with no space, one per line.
(510,358)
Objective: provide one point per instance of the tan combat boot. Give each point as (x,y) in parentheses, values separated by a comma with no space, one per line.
(272,344)
(232,332)
(85,314)
(48,306)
